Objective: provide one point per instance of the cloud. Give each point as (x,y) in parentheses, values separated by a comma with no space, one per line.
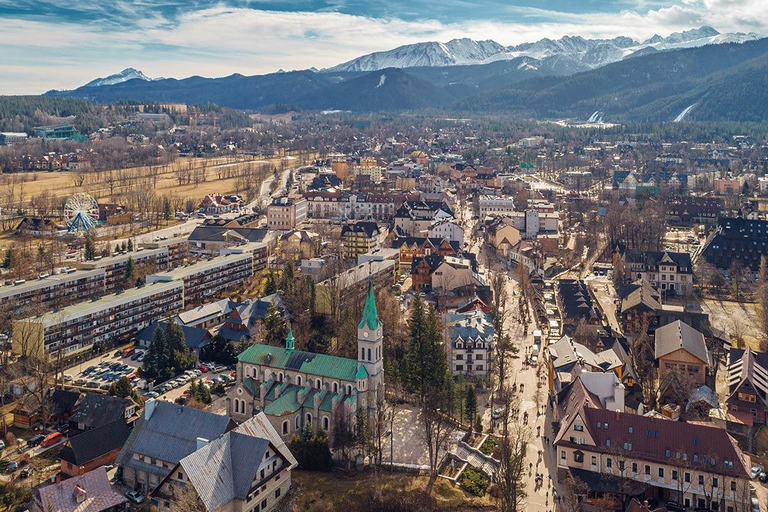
(53,45)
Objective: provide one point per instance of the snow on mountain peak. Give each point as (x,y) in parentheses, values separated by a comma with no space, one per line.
(117,78)
(574,52)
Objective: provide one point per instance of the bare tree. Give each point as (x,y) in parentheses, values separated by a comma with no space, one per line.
(436,431)
(511,474)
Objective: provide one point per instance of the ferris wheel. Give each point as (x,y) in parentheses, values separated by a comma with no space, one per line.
(81,212)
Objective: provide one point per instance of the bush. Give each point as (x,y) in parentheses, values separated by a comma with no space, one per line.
(313,453)
(489,445)
(473,482)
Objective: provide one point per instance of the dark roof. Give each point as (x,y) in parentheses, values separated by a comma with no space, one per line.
(652,259)
(662,441)
(433,261)
(63,401)
(370,229)
(96,410)
(171,433)
(736,239)
(576,300)
(572,398)
(194,337)
(94,443)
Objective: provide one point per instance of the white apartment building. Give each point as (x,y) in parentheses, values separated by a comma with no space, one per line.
(496,205)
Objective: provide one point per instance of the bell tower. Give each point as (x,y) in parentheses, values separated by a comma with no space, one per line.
(370,348)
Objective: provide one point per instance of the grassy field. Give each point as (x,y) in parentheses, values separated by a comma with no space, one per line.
(735,318)
(62,184)
(325,492)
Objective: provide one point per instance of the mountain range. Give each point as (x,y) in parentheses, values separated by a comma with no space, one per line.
(118,78)
(547,79)
(568,54)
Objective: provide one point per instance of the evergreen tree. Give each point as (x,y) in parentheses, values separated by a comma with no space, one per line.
(131,273)
(470,403)
(154,357)
(180,357)
(122,388)
(426,368)
(219,350)
(167,210)
(90,248)
(270,286)
(128,247)
(275,329)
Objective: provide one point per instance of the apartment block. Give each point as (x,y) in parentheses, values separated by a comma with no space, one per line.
(177,249)
(52,292)
(206,279)
(493,205)
(286,213)
(114,266)
(113,317)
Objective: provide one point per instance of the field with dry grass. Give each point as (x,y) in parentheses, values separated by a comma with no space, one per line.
(369,491)
(739,319)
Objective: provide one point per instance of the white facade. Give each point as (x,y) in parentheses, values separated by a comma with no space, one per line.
(449,230)
(492,205)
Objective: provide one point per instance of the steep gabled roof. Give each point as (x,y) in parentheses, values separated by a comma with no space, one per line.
(94,443)
(679,335)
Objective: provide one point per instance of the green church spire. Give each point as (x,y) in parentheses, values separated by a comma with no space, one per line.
(370,314)
(289,338)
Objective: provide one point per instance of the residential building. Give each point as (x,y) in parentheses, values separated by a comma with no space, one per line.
(666,271)
(247,319)
(147,260)
(286,213)
(207,241)
(52,292)
(297,389)
(503,235)
(93,448)
(748,383)
(177,249)
(567,359)
(96,410)
(194,337)
(296,244)
(414,247)
(470,341)
(496,205)
(59,405)
(447,229)
(422,269)
(576,180)
(360,237)
(217,203)
(574,300)
(679,348)
(7,138)
(414,218)
(737,241)
(105,320)
(36,226)
(90,492)
(252,465)
(455,274)
(692,464)
(693,209)
(206,279)
(349,287)
(164,435)
(727,186)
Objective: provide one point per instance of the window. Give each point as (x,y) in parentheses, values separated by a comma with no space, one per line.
(621,465)
(634,467)
(264,505)
(687,477)
(631,430)
(578,428)
(325,423)
(701,480)
(608,442)
(733,486)
(459,357)
(562,455)
(277,493)
(599,424)
(628,446)
(298,422)
(714,481)
(298,380)
(318,383)
(661,472)
(181,475)
(335,387)
(362,353)
(578,457)
(594,460)
(674,474)
(459,367)
(667,453)
(605,425)
(608,463)
(647,470)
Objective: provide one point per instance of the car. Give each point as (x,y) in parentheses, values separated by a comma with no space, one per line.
(135,496)
(756,470)
(118,353)
(151,394)
(25,472)
(35,440)
(80,382)
(197,372)
(129,352)
(181,400)
(763,476)
(62,427)
(68,377)
(8,466)
(92,384)
(136,355)
(88,370)
(673,506)
(2,445)
(106,386)
(755,505)
(203,368)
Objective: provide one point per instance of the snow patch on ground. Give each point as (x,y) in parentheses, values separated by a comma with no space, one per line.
(684,113)
(382,79)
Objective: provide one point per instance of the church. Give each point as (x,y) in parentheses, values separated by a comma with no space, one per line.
(295,388)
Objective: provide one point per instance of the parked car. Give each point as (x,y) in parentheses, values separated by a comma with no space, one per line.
(8,466)
(88,370)
(92,384)
(2,445)
(80,382)
(763,477)
(25,472)
(129,352)
(62,427)
(137,354)
(203,368)
(756,470)
(106,386)
(35,440)
(118,353)
(140,358)
(151,394)
(68,377)
(135,496)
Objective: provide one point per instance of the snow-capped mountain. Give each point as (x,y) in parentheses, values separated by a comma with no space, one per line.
(431,54)
(117,78)
(568,54)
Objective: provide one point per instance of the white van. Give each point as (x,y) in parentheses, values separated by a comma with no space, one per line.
(535,350)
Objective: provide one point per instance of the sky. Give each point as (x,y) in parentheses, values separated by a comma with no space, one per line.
(62,44)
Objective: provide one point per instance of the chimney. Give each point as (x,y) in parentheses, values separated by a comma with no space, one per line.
(201,442)
(149,408)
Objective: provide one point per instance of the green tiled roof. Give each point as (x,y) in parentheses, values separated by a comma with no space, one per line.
(370,314)
(287,402)
(321,365)
(362,373)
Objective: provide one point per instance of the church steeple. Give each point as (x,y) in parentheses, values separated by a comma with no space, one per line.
(370,314)
(289,339)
